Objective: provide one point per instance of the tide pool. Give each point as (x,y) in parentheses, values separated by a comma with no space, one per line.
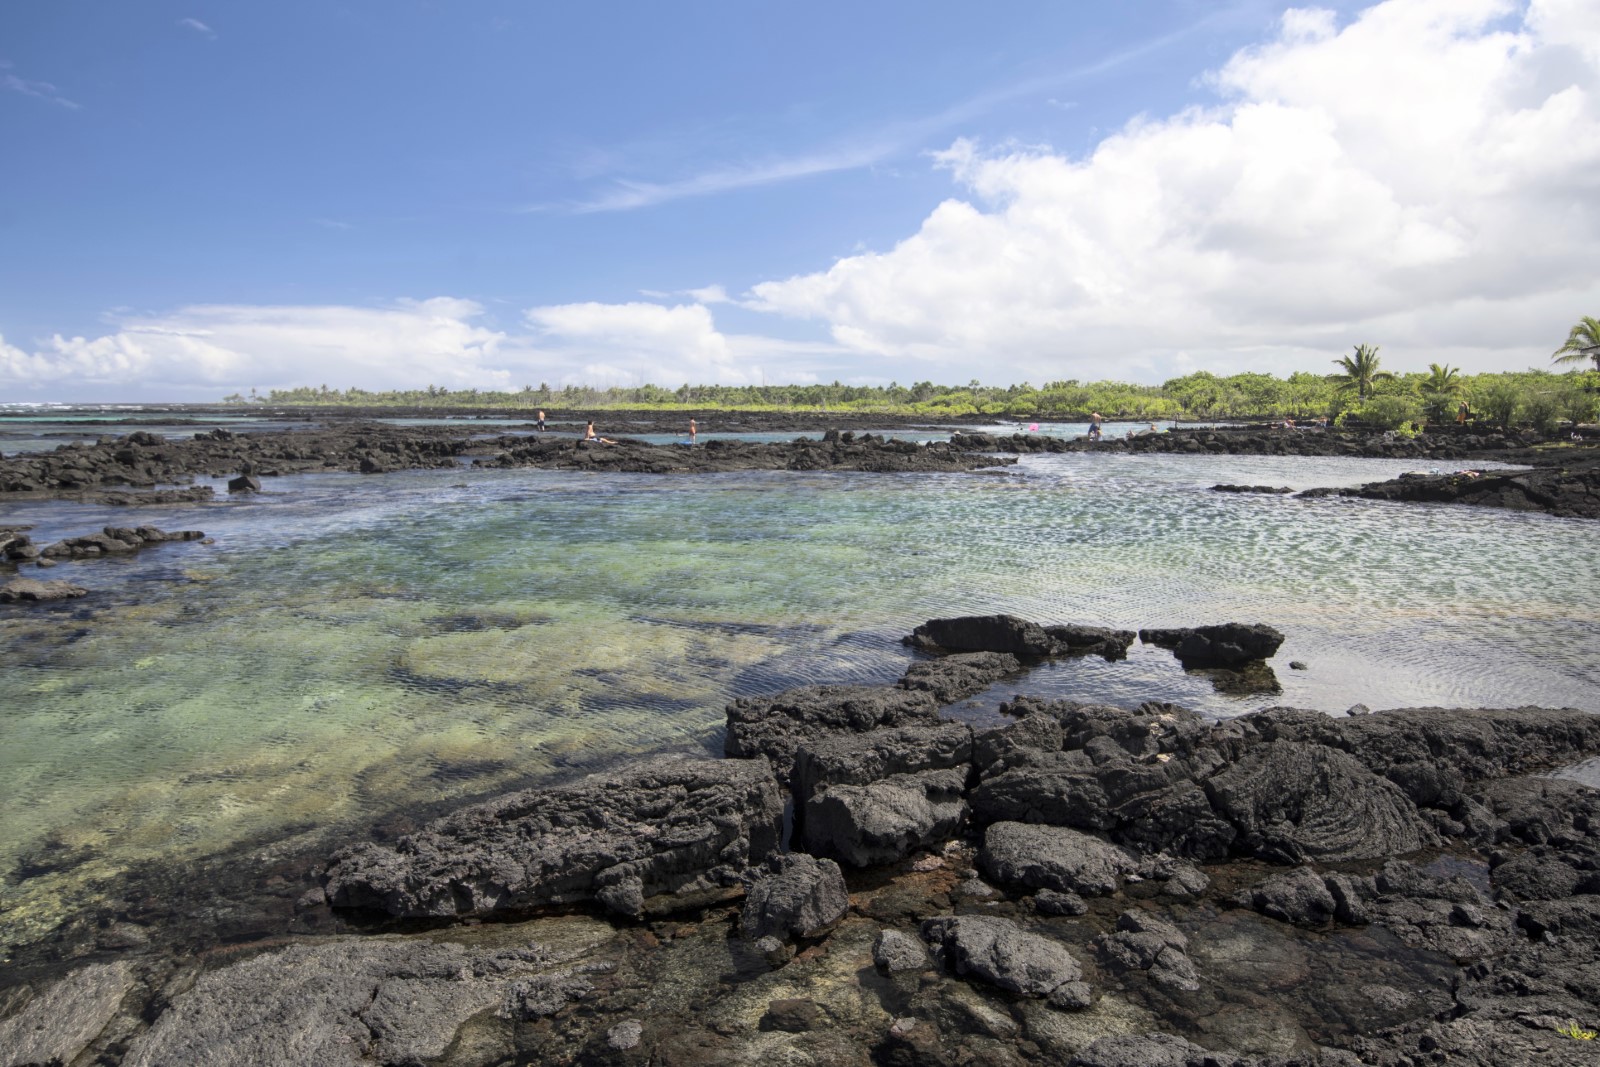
(355,646)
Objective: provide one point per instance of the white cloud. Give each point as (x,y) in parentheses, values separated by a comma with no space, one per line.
(1426,177)
(634,343)
(213,349)
(637,343)
(197,26)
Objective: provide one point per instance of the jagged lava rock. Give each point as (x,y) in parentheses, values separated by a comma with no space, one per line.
(956,677)
(667,825)
(860,758)
(1001,953)
(1293,801)
(1054,857)
(886,820)
(776,726)
(793,895)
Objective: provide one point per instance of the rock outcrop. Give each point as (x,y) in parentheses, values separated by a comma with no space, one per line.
(685,828)
(776,726)
(1010,635)
(1228,645)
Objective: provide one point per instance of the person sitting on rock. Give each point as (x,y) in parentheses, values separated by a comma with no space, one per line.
(590,435)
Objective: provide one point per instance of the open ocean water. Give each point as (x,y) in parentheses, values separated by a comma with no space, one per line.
(355,646)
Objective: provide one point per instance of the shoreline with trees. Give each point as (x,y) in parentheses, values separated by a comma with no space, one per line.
(1540,398)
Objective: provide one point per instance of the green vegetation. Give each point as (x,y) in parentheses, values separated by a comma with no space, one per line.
(1385,400)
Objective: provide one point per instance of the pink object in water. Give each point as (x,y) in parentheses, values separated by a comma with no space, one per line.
(1033,427)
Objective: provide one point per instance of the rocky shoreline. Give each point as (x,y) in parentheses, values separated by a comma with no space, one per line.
(860,881)
(142,468)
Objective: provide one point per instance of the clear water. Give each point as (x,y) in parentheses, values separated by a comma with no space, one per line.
(352,646)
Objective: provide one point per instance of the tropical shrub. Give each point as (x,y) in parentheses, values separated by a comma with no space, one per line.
(1499,400)
(1541,409)
(1387,412)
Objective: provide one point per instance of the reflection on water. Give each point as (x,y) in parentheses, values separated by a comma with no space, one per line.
(354,645)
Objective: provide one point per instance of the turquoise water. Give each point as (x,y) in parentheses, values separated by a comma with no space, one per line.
(352,646)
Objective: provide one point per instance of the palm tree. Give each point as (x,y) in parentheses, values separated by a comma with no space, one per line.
(1360,371)
(1582,343)
(1442,381)
(1439,390)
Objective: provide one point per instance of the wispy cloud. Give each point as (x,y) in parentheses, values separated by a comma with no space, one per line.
(860,152)
(628,195)
(37,90)
(197,26)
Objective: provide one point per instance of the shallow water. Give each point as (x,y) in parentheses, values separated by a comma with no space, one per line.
(351,646)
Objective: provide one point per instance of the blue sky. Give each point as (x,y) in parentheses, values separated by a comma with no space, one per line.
(201,197)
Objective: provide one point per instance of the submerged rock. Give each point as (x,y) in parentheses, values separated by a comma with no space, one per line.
(32,590)
(348,1001)
(57,1022)
(670,825)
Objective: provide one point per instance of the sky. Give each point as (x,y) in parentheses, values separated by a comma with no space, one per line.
(199,198)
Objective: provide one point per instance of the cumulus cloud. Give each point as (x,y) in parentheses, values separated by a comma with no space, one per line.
(634,343)
(1426,177)
(208,349)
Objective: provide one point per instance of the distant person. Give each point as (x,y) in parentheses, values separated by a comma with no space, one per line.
(590,435)
(540,423)
(1094,425)
(1462,411)
(693,430)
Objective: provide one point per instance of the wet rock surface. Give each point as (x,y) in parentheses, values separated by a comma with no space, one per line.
(1010,636)
(1229,644)
(1123,886)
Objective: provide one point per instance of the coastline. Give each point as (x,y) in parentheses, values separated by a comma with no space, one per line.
(145,469)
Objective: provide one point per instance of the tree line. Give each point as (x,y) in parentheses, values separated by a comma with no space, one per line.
(1359,390)
(1533,396)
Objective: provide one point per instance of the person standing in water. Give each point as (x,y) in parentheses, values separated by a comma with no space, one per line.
(1094,426)
(692,431)
(540,423)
